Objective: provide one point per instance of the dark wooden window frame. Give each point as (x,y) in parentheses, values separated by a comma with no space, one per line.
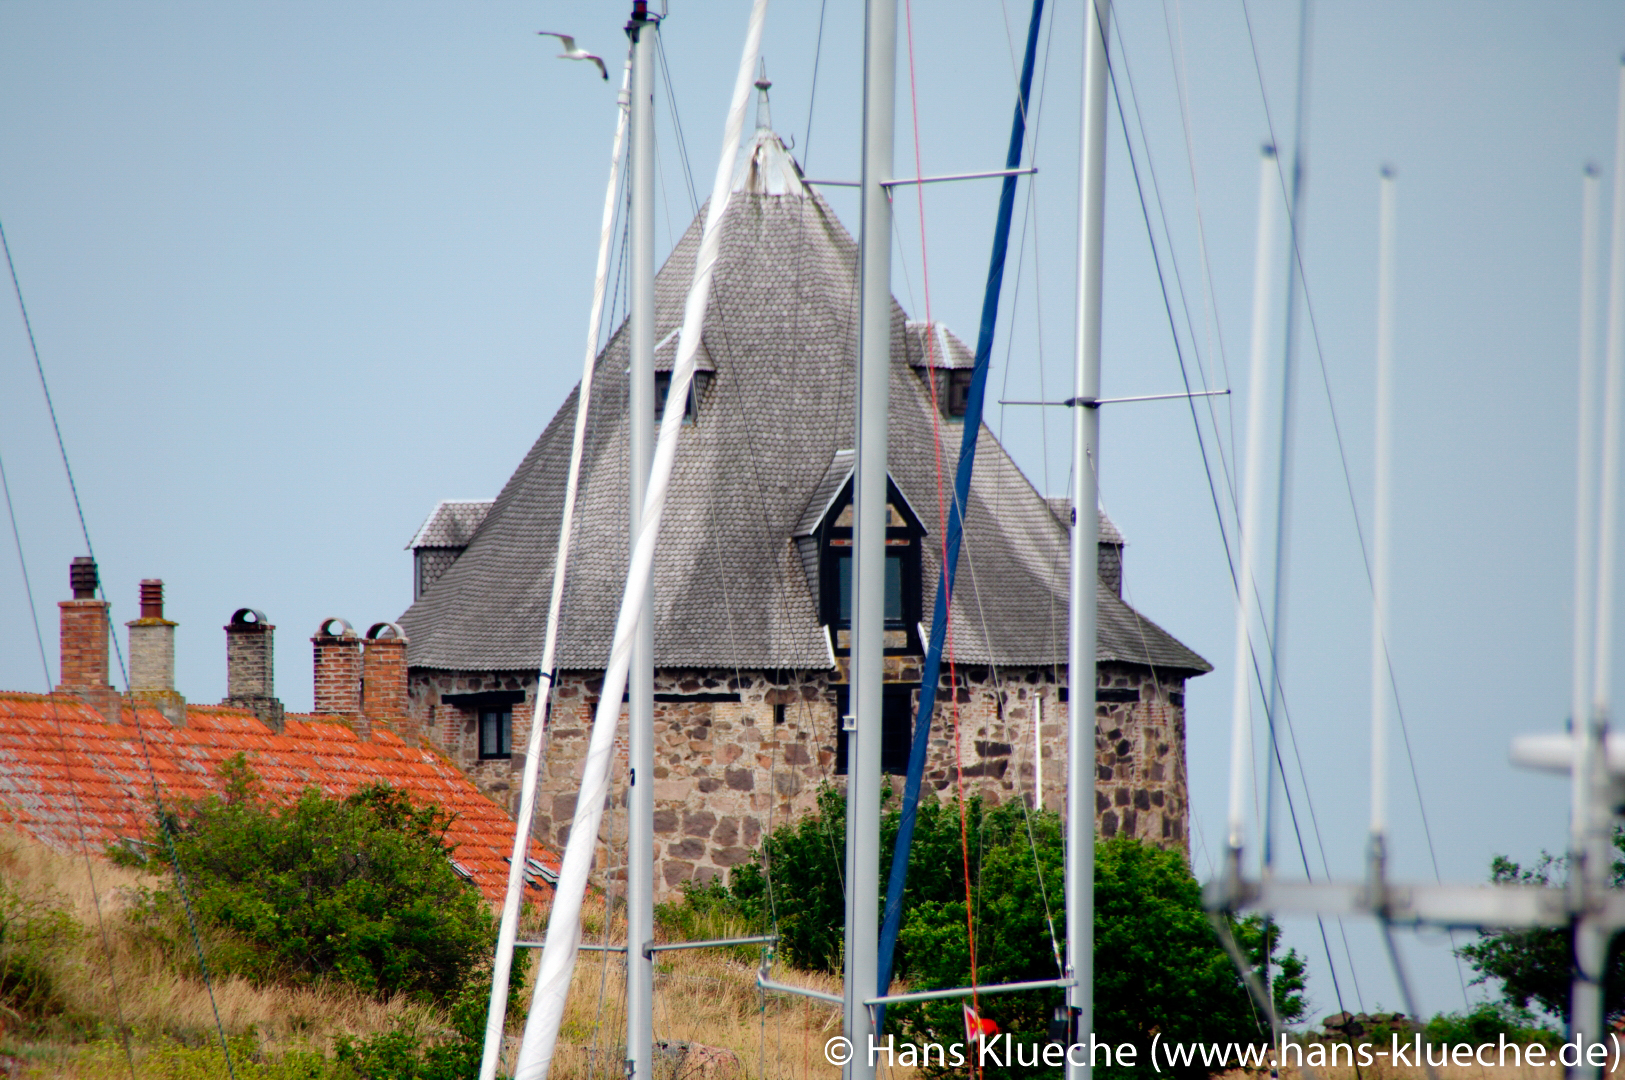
(499,718)
(903,542)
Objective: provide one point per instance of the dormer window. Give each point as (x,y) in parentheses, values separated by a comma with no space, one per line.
(663,388)
(902,590)
(957,399)
(824,539)
(944,364)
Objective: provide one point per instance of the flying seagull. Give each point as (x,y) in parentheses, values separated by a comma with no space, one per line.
(572,51)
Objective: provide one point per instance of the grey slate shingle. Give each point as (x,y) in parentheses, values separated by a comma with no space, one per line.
(731,587)
(451,523)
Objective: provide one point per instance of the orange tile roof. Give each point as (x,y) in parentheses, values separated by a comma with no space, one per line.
(56,752)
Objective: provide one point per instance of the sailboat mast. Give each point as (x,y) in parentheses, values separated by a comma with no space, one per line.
(640,858)
(869,534)
(1080,779)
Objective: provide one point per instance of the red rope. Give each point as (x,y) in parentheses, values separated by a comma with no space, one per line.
(942,524)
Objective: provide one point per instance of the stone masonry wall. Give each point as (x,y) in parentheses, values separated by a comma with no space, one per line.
(738,754)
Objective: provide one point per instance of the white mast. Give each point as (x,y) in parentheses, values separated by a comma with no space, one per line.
(502,966)
(1593,824)
(1080,779)
(640,439)
(869,537)
(1380,529)
(1251,523)
(564,925)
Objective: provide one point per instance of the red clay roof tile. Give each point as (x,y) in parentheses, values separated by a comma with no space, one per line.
(63,769)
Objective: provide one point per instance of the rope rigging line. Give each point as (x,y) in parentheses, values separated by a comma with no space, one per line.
(676,123)
(931,333)
(812,93)
(166,826)
(1173,327)
(940,626)
(73,786)
(1215,329)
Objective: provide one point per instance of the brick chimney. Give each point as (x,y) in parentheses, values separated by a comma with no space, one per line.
(383,680)
(338,672)
(152,656)
(84,643)
(250,674)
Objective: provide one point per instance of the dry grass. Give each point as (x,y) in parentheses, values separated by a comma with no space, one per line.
(113,978)
(706,997)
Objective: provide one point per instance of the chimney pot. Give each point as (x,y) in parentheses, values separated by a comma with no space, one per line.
(84,643)
(383,681)
(152,598)
(152,656)
(338,671)
(82,577)
(250,676)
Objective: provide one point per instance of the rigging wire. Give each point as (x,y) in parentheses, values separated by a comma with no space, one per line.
(812,94)
(677,123)
(165,825)
(1111,70)
(73,786)
(1215,329)
(1278,689)
(1296,254)
(936,439)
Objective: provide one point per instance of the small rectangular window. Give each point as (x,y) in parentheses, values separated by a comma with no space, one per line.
(663,388)
(894,589)
(496,733)
(959,391)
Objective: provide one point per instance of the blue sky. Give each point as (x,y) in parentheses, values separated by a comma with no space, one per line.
(298,271)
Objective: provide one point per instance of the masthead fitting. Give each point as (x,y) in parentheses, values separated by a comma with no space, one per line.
(764,115)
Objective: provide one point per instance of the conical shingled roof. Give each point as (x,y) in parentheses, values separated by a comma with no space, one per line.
(730,590)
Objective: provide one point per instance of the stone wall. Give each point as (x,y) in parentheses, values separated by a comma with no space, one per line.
(738,754)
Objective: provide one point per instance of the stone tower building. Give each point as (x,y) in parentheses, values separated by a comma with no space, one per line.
(752,572)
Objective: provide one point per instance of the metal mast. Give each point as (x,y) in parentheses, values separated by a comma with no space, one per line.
(1080,779)
(641,440)
(869,534)
(1381,532)
(497,1013)
(1593,827)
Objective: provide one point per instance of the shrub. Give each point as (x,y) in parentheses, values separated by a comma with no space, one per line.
(37,935)
(1486,1022)
(359,889)
(1158,964)
(707,913)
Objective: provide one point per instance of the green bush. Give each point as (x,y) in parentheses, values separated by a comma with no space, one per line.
(409,1054)
(37,935)
(708,913)
(1158,964)
(1535,966)
(1486,1022)
(358,890)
